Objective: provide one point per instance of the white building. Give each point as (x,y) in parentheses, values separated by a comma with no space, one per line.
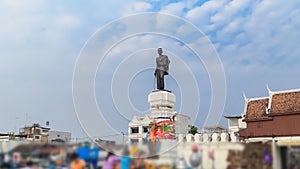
(4,137)
(35,133)
(161,107)
(138,128)
(235,123)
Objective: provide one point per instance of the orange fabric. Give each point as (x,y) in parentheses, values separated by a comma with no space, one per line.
(150,165)
(117,166)
(131,166)
(78,164)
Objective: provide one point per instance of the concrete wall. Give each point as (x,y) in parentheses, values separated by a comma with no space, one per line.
(181,124)
(219,150)
(208,137)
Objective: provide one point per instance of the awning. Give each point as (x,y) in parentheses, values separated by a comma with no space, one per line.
(289,143)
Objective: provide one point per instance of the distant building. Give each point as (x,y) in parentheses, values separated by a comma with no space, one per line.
(35,133)
(6,137)
(213,133)
(102,142)
(138,128)
(11,136)
(235,123)
(59,137)
(213,129)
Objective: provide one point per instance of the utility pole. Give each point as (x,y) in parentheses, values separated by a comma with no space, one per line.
(123,137)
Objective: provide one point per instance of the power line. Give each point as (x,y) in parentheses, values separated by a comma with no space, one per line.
(99,137)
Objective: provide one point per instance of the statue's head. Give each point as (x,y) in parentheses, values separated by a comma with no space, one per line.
(159,51)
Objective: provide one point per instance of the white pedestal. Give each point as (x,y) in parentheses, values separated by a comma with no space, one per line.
(161,103)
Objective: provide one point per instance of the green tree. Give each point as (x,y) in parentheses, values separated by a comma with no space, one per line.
(193,129)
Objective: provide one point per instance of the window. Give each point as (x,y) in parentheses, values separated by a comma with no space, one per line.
(234,122)
(37,131)
(36,137)
(134,130)
(145,129)
(134,141)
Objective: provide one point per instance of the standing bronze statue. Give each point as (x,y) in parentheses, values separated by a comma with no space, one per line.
(162,69)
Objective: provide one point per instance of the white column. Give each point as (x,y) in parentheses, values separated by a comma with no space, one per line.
(197,138)
(189,138)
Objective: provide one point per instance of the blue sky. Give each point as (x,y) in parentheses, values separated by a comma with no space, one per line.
(256,41)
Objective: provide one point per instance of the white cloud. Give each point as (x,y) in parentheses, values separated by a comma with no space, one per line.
(136,7)
(67,21)
(256,40)
(233,26)
(259,31)
(174,9)
(229,11)
(200,15)
(191,3)
(141,6)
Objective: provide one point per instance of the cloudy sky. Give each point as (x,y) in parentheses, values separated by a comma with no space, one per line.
(42,42)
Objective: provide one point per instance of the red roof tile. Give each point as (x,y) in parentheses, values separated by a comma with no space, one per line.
(288,102)
(256,109)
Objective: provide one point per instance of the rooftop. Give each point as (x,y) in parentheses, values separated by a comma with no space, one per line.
(278,103)
(288,102)
(256,109)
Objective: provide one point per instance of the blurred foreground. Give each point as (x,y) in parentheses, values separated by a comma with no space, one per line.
(164,154)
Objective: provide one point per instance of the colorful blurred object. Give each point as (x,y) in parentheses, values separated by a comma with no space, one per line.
(88,154)
(267,157)
(195,158)
(164,129)
(83,153)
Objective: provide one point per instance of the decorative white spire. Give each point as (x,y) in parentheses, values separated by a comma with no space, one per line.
(268,109)
(268,89)
(246,104)
(245,97)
